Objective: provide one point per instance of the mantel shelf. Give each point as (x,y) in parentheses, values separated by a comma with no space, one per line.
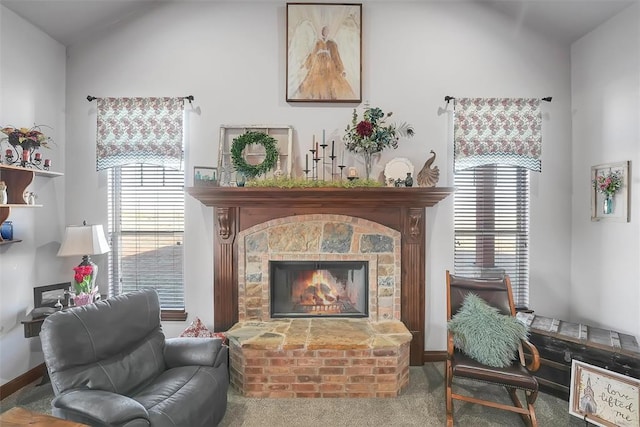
(366,197)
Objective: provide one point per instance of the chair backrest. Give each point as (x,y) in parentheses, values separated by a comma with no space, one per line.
(114,345)
(496,291)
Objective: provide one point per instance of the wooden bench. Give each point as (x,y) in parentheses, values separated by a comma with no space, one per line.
(559,342)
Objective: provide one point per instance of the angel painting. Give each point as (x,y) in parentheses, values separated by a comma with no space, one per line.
(323,52)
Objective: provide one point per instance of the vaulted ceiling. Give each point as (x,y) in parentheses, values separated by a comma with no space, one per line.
(70,21)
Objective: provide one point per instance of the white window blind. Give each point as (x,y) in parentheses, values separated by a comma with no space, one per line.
(491,210)
(146,224)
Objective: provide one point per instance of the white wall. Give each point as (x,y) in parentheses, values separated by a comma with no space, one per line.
(605,264)
(231,57)
(32,91)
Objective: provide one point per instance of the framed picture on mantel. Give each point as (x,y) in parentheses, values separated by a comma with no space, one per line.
(324,52)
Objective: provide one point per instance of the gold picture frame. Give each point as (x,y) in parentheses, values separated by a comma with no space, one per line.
(324,52)
(620,201)
(602,397)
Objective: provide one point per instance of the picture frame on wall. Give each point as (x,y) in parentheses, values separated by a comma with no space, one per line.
(205,175)
(602,397)
(324,52)
(607,207)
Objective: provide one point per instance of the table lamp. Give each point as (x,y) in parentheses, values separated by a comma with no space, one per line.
(85,240)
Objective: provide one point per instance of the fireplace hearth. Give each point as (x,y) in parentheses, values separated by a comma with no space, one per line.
(319,288)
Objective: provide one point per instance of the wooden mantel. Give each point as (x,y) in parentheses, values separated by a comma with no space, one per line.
(402,209)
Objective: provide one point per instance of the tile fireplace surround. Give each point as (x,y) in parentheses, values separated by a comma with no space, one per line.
(320,357)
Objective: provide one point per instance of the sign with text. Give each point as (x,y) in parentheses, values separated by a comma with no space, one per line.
(603,397)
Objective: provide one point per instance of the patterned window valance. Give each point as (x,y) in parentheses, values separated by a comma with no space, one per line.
(497,131)
(139,130)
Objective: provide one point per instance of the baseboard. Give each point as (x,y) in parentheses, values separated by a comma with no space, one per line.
(434,356)
(25,379)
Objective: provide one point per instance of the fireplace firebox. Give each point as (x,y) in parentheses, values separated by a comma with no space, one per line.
(319,288)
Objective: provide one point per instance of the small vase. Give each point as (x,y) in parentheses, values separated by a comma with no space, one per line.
(240,179)
(408,181)
(6,230)
(368,163)
(607,204)
(83,299)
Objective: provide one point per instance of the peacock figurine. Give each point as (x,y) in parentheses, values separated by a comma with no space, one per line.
(428,176)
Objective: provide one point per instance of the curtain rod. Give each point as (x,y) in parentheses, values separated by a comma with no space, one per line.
(189,97)
(451,98)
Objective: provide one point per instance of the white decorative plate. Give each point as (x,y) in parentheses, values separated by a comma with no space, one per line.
(397,169)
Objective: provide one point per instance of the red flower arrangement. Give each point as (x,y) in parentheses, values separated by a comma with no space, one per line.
(372,134)
(82,277)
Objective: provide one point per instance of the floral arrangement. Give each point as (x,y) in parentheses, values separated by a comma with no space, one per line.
(82,277)
(608,184)
(372,134)
(27,138)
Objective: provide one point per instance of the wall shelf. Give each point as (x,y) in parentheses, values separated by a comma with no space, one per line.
(17,180)
(8,242)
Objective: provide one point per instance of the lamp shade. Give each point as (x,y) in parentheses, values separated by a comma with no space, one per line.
(84,240)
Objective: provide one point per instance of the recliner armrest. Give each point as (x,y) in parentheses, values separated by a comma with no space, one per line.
(187,351)
(102,406)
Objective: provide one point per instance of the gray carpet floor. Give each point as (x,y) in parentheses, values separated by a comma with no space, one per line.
(420,404)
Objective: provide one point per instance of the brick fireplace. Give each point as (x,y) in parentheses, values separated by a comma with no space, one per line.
(317,357)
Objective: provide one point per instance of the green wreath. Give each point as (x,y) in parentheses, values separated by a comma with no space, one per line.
(271,153)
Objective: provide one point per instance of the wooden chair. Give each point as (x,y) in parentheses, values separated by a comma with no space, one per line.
(497,293)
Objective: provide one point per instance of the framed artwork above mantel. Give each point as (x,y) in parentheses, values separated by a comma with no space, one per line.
(324,52)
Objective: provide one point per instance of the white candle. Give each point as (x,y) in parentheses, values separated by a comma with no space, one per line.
(353,171)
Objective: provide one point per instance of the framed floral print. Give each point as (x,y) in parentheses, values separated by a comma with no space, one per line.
(324,52)
(610,192)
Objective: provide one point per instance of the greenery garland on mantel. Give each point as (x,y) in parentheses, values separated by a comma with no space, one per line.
(271,153)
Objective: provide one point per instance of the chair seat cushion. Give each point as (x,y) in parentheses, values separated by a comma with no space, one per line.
(514,375)
(186,396)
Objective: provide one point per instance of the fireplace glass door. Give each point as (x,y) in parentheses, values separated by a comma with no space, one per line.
(319,288)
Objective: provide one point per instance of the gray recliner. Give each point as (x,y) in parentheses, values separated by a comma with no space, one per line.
(110,365)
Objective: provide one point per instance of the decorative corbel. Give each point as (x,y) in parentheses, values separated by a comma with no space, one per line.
(224,225)
(415,221)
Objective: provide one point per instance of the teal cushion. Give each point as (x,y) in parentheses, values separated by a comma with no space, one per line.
(484,334)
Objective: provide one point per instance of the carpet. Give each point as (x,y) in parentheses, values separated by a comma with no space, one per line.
(420,404)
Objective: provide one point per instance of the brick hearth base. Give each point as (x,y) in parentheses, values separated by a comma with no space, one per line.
(319,358)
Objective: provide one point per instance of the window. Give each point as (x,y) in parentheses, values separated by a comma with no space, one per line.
(146,224)
(491,211)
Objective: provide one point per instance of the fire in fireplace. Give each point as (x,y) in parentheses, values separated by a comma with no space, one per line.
(319,288)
